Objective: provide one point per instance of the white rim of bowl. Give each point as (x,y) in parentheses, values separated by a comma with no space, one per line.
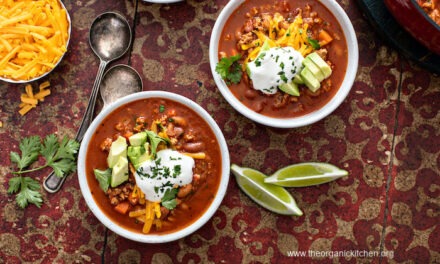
(147,238)
(162,1)
(338,98)
(69,31)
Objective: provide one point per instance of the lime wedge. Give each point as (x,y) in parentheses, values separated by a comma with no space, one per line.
(305,174)
(274,198)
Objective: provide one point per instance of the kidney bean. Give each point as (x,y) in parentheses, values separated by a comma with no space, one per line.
(250,93)
(258,106)
(194,146)
(178,131)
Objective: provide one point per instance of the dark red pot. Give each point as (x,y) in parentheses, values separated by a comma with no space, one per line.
(414,20)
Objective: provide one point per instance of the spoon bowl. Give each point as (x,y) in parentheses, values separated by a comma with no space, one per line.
(110,36)
(119,81)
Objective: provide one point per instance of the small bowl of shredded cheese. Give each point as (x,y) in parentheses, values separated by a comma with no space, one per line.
(34,36)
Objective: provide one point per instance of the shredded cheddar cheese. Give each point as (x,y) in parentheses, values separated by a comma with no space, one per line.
(294,36)
(33,37)
(30,100)
(150,215)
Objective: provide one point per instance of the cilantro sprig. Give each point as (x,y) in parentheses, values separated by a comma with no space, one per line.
(30,148)
(60,156)
(28,191)
(169,199)
(103,177)
(155,139)
(229,69)
(314,43)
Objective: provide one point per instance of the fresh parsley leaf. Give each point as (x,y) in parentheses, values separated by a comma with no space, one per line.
(68,149)
(314,43)
(30,148)
(103,177)
(49,147)
(14,185)
(169,199)
(155,141)
(28,191)
(63,167)
(60,156)
(229,69)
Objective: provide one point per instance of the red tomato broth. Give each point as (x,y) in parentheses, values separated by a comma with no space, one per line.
(197,203)
(337,54)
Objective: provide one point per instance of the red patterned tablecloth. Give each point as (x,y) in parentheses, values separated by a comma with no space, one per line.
(386,134)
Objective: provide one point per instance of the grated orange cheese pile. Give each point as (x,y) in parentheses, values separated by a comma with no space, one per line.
(33,37)
(150,215)
(30,100)
(294,36)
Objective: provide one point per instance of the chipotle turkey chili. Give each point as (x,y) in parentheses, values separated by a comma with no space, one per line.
(153,166)
(282,58)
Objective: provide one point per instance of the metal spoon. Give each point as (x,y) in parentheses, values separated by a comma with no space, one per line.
(120,80)
(110,38)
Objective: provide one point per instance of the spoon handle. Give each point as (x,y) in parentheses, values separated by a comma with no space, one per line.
(53,183)
(88,115)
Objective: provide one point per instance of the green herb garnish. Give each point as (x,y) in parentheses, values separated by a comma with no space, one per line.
(28,191)
(154,141)
(169,199)
(103,177)
(314,43)
(229,69)
(61,157)
(161,108)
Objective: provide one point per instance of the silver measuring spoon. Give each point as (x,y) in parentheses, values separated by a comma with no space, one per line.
(110,38)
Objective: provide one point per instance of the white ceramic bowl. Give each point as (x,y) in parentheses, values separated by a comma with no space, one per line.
(69,32)
(338,98)
(153,238)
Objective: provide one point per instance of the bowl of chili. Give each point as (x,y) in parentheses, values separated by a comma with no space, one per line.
(420,18)
(284,64)
(153,167)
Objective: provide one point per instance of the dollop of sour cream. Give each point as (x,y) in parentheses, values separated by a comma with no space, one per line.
(273,67)
(169,168)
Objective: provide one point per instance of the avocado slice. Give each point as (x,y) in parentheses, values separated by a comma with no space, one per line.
(138,139)
(297,79)
(290,88)
(310,81)
(117,149)
(141,159)
(119,172)
(322,65)
(134,152)
(138,154)
(314,69)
